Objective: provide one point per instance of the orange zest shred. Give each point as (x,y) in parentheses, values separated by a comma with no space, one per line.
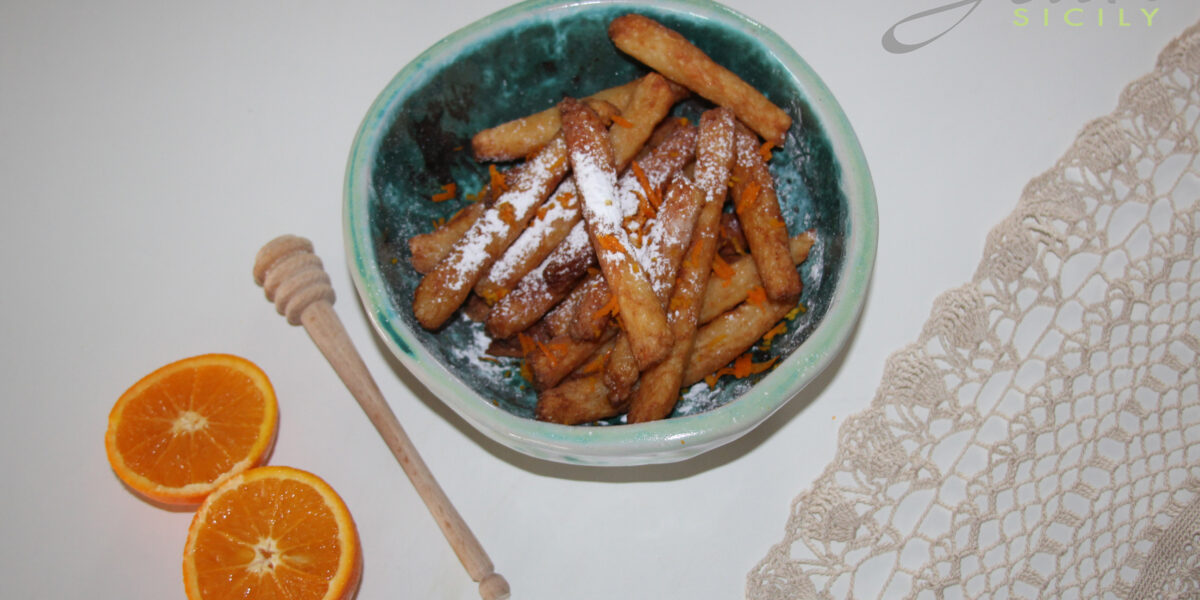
(556,348)
(748,197)
(763,366)
(610,242)
(677,303)
(646,210)
(610,308)
(595,365)
(795,312)
(508,214)
(757,295)
(545,350)
(477,196)
(743,366)
(736,242)
(527,344)
(565,199)
(779,329)
(439,223)
(542,211)
(765,151)
(492,296)
(694,257)
(489,359)
(651,194)
(448,192)
(498,183)
(683,121)
(622,121)
(722,270)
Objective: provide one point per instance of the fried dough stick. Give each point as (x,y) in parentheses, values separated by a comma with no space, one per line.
(666,51)
(560,357)
(731,334)
(652,99)
(547,284)
(668,238)
(590,153)
(648,103)
(658,388)
(428,249)
(444,289)
(520,137)
(744,279)
(575,401)
(757,208)
(558,319)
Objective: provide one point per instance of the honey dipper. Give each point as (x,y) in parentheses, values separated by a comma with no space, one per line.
(295,280)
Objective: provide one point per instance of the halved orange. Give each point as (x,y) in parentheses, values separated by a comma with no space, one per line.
(272,533)
(181,431)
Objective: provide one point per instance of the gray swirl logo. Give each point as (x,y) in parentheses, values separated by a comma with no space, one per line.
(1050,14)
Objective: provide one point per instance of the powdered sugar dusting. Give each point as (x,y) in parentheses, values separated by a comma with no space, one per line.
(604,214)
(652,254)
(475,348)
(474,252)
(747,150)
(712,172)
(530,240)
(575,241)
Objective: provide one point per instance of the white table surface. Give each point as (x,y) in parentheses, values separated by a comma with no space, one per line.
(148,149)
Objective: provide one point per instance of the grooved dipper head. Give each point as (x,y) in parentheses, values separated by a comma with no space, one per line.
(292,276)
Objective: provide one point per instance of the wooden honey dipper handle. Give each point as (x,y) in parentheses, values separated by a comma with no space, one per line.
(295,280)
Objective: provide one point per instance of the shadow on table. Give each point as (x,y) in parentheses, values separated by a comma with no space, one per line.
(647,473)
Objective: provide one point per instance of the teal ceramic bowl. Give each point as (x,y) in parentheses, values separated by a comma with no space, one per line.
(524,59)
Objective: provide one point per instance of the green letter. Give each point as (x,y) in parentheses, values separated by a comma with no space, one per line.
(1067,17)
(1023,15)
(1122,19)
(1150,17)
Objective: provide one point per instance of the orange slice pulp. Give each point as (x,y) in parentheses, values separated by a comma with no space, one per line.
(272,532)
(181,431)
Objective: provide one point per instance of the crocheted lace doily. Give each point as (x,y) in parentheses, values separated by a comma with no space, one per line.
(1041,438)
